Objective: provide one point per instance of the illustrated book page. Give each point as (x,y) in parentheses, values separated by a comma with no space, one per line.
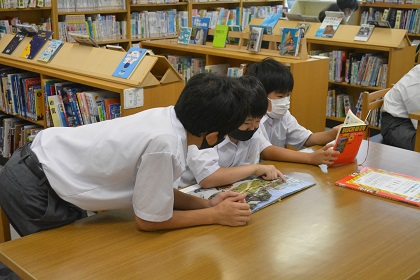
(260,193)
(184,35)
(349,138)
(84,39)
(364,32)
(383,183)
(51,50)
(290,41)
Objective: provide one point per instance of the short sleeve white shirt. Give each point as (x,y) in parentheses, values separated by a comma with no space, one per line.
(404,97)
(285,131)
(203,163)
(127,162)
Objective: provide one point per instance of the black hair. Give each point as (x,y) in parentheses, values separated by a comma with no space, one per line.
(212,103)
(273,75)
(340,5)
(258,97)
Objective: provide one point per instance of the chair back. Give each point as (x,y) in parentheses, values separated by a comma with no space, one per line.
(372,100)
(4,227)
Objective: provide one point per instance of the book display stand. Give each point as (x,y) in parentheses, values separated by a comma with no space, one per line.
(155,77)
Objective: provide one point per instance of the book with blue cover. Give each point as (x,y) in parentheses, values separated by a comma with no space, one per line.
(51,50)
(290,41)
(184,35)
(200,27)
(36,44)
(130,62)
(270,21)
(16,40)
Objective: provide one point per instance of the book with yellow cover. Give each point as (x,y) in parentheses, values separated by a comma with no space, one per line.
(36,44)
(384,183)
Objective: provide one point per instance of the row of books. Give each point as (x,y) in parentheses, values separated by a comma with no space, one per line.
(398,19)
(99,27)
(71,104)
(14,133)
(158,23)
(134,2)
(364,69)
(90,5)
(21,4)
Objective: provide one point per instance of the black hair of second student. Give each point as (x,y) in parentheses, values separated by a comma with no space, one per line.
(258,97)
(274,75)
(212,103)
(340,5)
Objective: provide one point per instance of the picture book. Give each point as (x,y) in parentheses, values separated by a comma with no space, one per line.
(260,193)
(184,35)
(383,183)
(304,26)
(220,36)
(84,39)
(235,28)
(36,44)
(290,41)
(16,40)
(27,28)
(129,63)
(51,50)
(200,27)
(379,23)
(270,21)
(349,139)
(330,24)
(255,39)
(364,32)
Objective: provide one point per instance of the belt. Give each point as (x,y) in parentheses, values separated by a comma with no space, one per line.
(29,158)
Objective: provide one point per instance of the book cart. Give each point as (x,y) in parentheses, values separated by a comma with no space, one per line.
(310,75)
(154,80)
(392,44)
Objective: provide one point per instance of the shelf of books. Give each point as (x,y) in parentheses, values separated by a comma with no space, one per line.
(78,85)
(357,66)
(401,14)
(309,94)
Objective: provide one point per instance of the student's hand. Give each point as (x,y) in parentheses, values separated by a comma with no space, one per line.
(231,211)
(229,194)
(326,155)
(335,129)
(268,172)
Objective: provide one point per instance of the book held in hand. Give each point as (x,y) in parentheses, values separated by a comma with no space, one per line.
(129,63)
(349,138)
(330,24)
(36,44)
(383,183)
(364,32)
(260,193)
(16,40)
(51,50)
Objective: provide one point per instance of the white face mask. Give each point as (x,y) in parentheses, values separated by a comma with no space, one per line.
(279,107)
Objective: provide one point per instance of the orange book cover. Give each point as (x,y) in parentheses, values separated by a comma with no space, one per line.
(349,138)
(108,102)
(395,186)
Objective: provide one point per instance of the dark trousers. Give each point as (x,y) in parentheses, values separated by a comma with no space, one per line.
(398,132)
(27,198)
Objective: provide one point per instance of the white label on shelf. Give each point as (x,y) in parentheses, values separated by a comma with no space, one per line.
(133,98)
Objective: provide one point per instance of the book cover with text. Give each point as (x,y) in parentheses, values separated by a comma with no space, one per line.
(330,24)
(384,183)
(220,36)
(50,51)
(184,35)
(129,63)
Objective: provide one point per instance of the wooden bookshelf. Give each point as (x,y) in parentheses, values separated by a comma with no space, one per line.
(393,44)
(308,98)
(155,77)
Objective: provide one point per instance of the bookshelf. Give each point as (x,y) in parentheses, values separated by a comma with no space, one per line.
(375,10)
(308,98)
(57,12)
(155,80)
(391,44)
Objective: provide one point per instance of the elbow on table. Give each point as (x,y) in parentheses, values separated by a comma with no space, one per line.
(143,225)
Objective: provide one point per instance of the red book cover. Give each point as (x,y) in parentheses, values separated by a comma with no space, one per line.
(399,187)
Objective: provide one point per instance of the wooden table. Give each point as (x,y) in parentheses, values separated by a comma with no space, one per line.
(324,232)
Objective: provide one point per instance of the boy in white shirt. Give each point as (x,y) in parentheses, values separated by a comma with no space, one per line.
(128,162)
(402,99)
(279,126)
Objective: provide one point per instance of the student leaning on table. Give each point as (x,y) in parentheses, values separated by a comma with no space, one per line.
(279,126)
(127,162)
(403,98)
(237,157)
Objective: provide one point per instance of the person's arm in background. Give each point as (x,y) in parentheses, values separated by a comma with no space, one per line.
(322,138)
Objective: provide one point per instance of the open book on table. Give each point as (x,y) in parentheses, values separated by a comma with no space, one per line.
(260,193)
(349,138)
(383,183)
